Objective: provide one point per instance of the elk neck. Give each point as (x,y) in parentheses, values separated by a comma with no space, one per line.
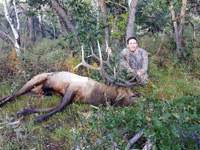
(111,92)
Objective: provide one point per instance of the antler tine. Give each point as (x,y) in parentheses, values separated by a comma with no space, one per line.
(83,62)
(95,56)
(108,56)
(100,55)
(132,79)
(129,82)
(104,74)
(124,82)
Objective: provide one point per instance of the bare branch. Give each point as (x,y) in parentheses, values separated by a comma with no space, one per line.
(6,38)
(133,140)
(10,124)
(148,145)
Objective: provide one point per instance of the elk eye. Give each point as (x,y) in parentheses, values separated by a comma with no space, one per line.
(133,95)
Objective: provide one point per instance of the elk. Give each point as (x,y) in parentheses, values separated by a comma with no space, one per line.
(77,89)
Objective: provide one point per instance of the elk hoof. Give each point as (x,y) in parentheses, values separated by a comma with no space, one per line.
(39,118)
(22,111)
(25,111)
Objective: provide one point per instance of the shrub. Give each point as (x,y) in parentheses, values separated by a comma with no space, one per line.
(169,124)
(45,55)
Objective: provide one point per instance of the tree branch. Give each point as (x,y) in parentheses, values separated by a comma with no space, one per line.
(5,37)
(133,140)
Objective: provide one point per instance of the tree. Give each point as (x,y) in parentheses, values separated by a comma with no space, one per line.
(64,19)
(32,22)
(41,24)
(14,24)
(131,18)
(178,24)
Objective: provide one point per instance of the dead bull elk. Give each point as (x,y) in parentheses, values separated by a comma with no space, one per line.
(75,88)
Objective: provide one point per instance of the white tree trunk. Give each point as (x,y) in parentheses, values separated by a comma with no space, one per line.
(11,22)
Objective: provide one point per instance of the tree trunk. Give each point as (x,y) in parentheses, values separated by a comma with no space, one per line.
(198,8)
(63,16)
(178,24)
(5,37)
(63,26)
(131,18)
(41,26)
(182,20)
(176,35)
(104,13)
(32,35)
(15,28)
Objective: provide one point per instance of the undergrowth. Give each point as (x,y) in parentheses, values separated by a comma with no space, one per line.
(169,124)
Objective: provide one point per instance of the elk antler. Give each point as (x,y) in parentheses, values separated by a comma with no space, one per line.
(117,77)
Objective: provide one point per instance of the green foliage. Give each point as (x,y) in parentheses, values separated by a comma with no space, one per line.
(89,30)
(152,16)
(62,133)
(36,3)
(118,24)
(168,120)
(169,124)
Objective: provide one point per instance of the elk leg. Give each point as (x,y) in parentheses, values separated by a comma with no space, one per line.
(6,99)
(69,95)
(30,110)
(35,81)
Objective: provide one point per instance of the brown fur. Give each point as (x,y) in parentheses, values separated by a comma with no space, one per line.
(73,88)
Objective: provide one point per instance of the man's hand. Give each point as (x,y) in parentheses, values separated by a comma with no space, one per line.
(109,51)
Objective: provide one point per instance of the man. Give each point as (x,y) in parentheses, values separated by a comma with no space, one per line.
(134,60)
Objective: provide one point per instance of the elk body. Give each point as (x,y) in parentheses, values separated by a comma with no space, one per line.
(74,89)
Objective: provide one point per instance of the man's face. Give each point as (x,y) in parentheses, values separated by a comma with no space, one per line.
(132,45)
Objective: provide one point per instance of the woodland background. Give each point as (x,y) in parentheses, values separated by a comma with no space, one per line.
(46,35)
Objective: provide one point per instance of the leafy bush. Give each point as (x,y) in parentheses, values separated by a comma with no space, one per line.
(88,28)
(169,124)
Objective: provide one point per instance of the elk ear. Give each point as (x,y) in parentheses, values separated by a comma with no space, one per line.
(120,96)
(130,92)
(121,93)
